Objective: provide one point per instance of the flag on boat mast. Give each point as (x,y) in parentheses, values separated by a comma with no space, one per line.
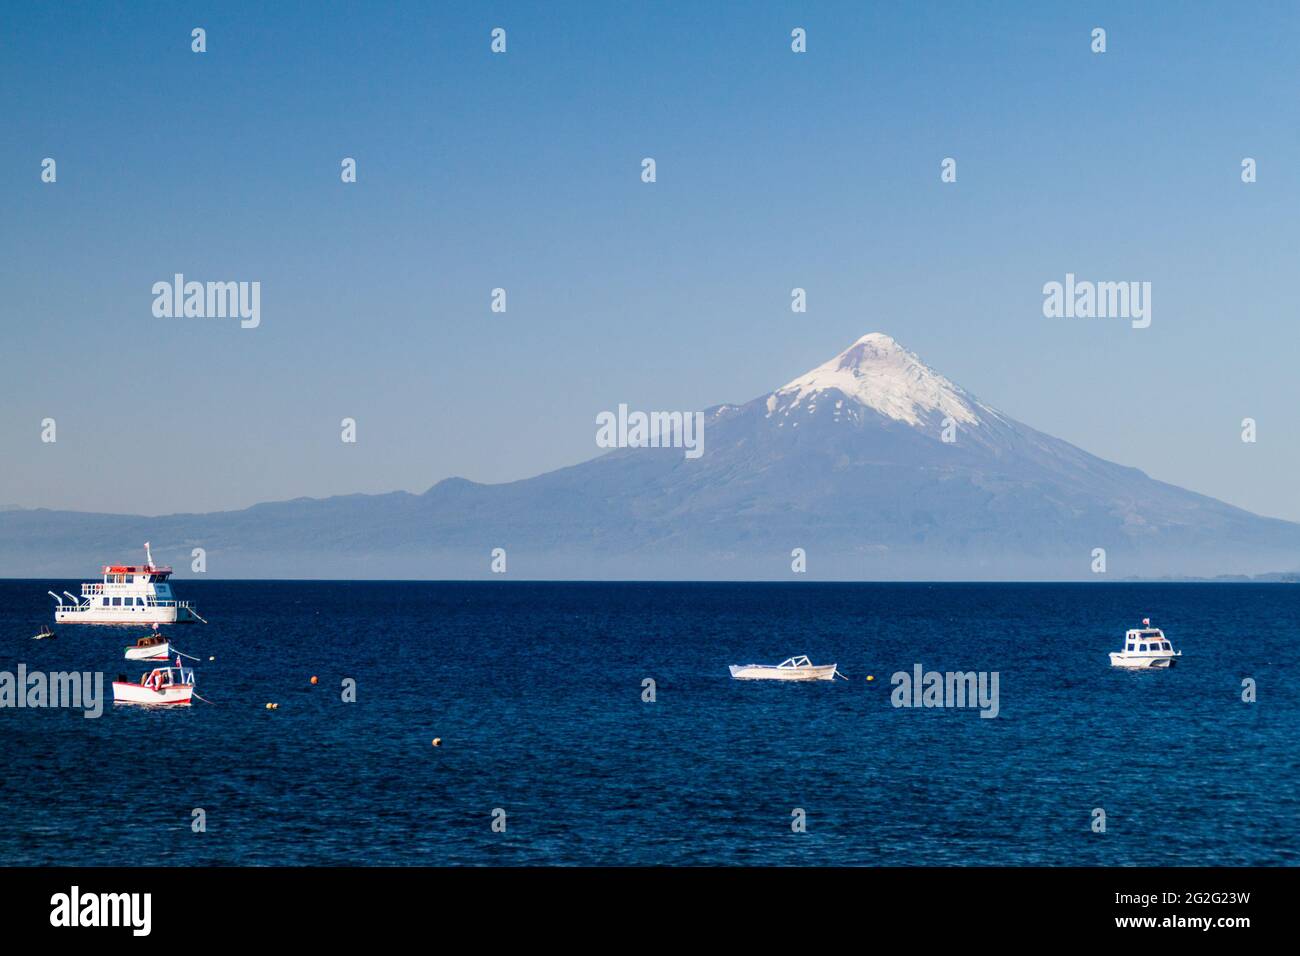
(1146,622)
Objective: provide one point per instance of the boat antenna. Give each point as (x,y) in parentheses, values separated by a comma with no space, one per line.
(148,555)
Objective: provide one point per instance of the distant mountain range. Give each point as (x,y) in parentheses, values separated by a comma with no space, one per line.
(873,464)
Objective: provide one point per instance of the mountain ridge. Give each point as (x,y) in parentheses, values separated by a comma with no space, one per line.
(872,463)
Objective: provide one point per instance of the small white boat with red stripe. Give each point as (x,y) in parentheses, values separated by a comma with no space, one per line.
(162,685)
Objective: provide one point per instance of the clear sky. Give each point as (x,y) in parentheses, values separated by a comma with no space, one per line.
(522,171)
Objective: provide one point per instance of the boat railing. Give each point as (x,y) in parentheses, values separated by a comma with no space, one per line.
(171,675)
(86,605)
(97,590)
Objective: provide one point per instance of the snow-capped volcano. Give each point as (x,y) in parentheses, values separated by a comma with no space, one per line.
(873,465)
(878,373)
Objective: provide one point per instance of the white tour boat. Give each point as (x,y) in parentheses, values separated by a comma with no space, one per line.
(162,685)
(129,594)
(795,668)
(1145,647)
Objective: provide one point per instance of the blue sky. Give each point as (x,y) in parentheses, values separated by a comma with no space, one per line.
(522,171)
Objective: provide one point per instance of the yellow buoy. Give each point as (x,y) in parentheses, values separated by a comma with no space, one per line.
(269,705)
(869,677)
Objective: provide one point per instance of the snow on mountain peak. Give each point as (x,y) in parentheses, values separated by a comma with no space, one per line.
(878,372)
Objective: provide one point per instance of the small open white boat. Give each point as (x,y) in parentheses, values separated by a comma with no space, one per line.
(153,647)
(794,668)
(44,634)
(1144,648)
(162,685)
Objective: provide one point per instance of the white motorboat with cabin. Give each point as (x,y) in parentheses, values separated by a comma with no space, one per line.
(129,594)
(162,685)
(152,647)
(155,647)
(794,668)
(1145,647)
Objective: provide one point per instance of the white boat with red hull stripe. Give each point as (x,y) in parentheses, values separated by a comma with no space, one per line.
(162,685)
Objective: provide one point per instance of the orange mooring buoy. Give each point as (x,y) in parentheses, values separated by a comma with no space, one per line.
(437,741)
(315,679)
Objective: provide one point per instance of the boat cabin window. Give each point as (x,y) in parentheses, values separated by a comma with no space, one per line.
(1166,646)
(1142,647)
(104,601)
(1131,645)
(117,602)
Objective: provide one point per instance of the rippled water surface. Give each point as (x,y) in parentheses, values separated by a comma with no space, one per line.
(536,693)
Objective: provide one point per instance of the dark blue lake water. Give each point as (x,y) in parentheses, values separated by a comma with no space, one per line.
(536,693)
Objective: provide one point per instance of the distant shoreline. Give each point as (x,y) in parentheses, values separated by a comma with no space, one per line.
(1279,577)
